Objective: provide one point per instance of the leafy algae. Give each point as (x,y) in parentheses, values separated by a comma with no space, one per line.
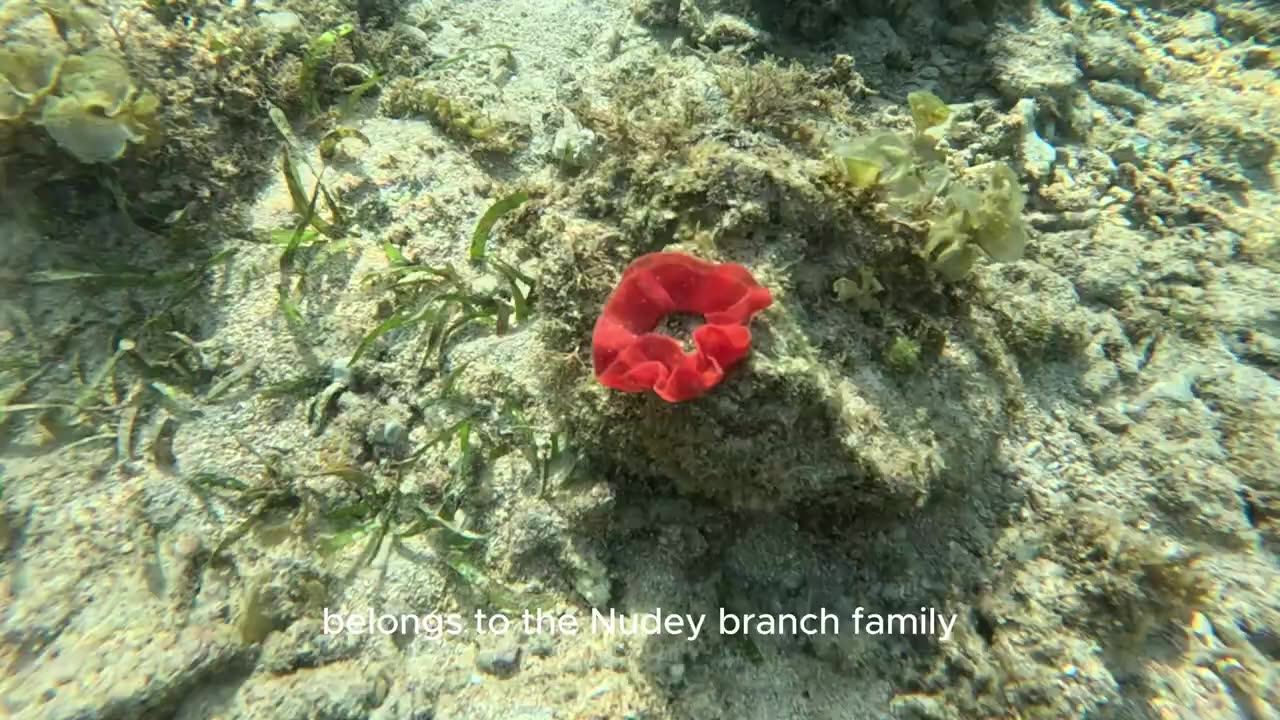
(97,112)
(86,102)
(909,172)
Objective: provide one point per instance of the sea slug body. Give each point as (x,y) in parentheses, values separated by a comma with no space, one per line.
(628,356)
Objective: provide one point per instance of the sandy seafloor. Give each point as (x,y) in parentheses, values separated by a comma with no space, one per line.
(1076,453)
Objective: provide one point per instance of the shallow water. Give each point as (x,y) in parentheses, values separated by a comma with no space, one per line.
(299,418)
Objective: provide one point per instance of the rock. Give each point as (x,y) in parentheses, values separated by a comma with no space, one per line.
(1037,63)
(724,31)
(574,146)
(542,646)
(786,429)
(1112,93)
(1037,155)
(970,34)
(1114,419)
(1200,24)
(917,707)
(284,23)
(590,575)
(1109,57)
(502,662)
(656,13)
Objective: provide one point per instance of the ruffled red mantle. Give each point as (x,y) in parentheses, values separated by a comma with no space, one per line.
(631,358)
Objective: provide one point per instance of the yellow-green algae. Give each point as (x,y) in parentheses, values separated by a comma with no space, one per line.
(85,100)
(974,221)
(97,111)
(27,74)
(910,173)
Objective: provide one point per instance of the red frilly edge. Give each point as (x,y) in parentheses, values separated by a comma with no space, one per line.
(631,358)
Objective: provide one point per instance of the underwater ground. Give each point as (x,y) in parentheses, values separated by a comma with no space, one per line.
(297,301)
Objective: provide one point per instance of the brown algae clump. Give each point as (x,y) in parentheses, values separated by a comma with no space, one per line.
(456,116)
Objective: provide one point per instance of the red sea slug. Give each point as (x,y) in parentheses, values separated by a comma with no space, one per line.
(631,358)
